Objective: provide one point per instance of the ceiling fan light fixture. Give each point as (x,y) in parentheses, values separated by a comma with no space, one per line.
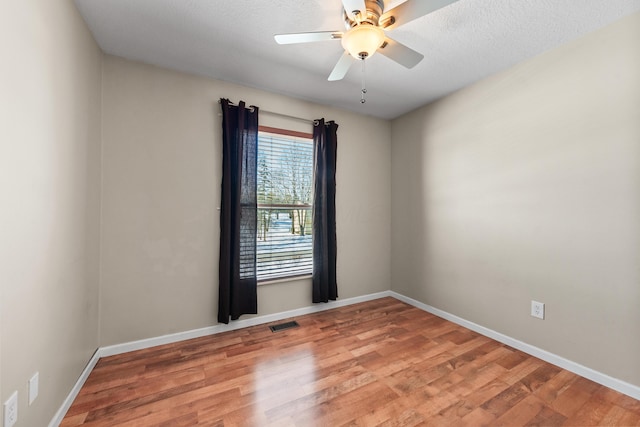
(363,40)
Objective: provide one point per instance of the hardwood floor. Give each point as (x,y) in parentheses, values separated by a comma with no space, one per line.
(381,362)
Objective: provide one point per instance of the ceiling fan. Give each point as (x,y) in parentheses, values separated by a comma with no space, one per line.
(366,23)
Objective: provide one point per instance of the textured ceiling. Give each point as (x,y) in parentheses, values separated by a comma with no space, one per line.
(232,40)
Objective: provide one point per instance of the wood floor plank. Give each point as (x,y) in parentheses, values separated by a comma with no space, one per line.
(521,413)
(550,390)
(571,399)
(477,417)
(378,363)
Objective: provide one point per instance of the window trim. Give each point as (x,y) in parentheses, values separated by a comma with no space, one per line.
(285,132)
(284,279)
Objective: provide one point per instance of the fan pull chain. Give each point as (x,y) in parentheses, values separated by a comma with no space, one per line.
(364,88)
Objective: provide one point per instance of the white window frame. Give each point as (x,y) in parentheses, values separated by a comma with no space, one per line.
(304,250)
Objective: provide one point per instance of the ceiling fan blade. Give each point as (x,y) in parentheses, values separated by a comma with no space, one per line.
(400,53)
(410,10)
(352,5)
(341,68)
(318,36)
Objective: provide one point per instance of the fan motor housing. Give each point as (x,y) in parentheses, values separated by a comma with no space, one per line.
(371,16)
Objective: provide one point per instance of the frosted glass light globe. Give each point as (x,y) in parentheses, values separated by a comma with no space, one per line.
(363,40)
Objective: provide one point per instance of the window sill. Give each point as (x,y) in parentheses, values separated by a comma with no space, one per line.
(284,279)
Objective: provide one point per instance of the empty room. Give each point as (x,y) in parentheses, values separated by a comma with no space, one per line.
(320,213)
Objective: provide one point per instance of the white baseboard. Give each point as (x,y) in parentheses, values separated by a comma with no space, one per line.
(236,324)
(576,368)
(196,333)
(58,417)
(598,377)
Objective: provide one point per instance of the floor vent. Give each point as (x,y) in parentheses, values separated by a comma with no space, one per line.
(283,326)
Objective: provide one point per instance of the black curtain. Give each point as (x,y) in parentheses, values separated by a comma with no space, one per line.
(238,212)
(325,142)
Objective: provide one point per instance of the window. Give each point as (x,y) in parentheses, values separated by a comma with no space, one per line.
(285,197)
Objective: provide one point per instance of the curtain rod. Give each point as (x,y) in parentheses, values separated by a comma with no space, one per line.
(273,113)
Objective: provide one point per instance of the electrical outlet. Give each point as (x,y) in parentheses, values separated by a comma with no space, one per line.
(33,387)
(11,410)
(537,309)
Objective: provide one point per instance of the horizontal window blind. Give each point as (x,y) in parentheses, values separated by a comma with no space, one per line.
(285,194)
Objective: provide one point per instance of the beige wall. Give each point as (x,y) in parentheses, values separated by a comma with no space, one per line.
(523,186)
(49,214)
(161,189)
(527,186)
